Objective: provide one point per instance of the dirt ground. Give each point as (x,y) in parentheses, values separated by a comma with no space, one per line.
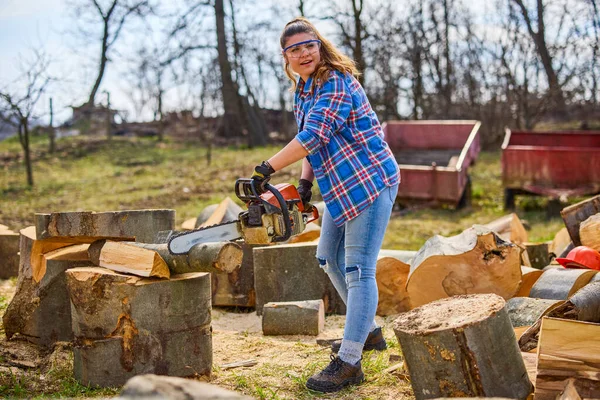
(283,363)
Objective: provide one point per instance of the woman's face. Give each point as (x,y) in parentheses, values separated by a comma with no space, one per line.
(302,51)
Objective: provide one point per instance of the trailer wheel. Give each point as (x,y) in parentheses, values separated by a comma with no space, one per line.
(465,199)
(509,199)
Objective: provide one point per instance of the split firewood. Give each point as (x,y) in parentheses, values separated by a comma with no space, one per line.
(86,226)
(568,350)
(189,224)
(476,261)
(589,232)
(509,228)
(203,257)
(561,241)
(128,258)
(529,277)
(227,210)
(561,283)
(75,252)
(574,215)
(391,275)
(36,250)
(583,306)
(463,345)
(525,311)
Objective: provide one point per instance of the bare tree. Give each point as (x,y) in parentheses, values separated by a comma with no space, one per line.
(112,16)
(18,107)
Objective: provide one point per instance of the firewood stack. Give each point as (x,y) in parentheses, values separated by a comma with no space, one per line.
(97,279)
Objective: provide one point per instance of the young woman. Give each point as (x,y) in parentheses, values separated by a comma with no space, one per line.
(341,142)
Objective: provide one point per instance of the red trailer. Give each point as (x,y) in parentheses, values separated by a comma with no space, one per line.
(553,164)
(434,157)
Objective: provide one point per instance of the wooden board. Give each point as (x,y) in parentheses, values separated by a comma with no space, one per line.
(568,349)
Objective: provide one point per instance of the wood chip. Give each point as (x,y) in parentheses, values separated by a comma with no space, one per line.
(237,364)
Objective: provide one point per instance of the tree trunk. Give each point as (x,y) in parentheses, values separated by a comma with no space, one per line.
(24,136)
(103,57)
(464,346)
(52,132)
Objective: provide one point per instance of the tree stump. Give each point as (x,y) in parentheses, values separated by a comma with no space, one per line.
(236,288)
(128,325)
(476,261)
(391,276)
(462,346)
(561,283)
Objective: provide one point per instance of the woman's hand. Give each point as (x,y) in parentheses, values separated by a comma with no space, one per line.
(262,175)
(305,192)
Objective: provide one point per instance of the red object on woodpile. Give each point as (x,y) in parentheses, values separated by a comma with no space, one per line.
(581,257)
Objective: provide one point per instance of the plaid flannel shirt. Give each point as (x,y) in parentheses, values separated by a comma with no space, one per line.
(339,129)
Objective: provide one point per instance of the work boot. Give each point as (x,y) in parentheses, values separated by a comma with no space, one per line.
(337,375)
(375,341)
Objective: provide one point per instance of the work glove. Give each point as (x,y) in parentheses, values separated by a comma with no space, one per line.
(304,190)
(262,174)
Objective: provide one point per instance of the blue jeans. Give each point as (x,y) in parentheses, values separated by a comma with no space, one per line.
(348,254)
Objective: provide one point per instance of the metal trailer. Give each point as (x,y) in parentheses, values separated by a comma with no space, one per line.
(557,164)
(434,157)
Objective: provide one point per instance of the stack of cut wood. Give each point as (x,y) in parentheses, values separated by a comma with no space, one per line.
(9,252)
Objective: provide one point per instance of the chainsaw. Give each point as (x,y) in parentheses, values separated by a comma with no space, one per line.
(273,216)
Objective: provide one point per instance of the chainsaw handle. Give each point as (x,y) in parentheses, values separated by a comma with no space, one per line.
(284,210)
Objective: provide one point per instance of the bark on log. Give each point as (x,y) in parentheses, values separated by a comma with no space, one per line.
(138,225)
(462,346)
(236,288)
(568,350)
(574,215)
(150,325)
(40,311)
(291,272)
(227,210)
(538,254)
(509,228)
(561,283)
(529,277)
(294,318)
(130,259)
(476,261)
(525,311)
(9,254)
(391,276)
(589,232)
(203,257)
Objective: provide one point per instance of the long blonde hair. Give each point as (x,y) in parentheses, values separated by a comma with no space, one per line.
(331,58)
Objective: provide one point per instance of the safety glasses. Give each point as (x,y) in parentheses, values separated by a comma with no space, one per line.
(297,50)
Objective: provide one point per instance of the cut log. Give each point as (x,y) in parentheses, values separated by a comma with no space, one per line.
(291,272)
(561,283)
(476,261)
(525,311)
(538,254)
(529,277)
(560,242)
(294,318)
(509,228)
(34,251)
(227,210)
(138,225)
(568,350)
(203,257)
(149,325)
(589,232)
(391,276)
(75,252)
(236,288)
(574,215)
(9,254)
(462,346)
(130,259)
(189,224)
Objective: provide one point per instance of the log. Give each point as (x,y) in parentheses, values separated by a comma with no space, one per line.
(391,276)
(538,254)
(291,272)
(203,257)
(529,277)
(189,224)
(311,233)
(575,214)
(568,350)
(149,325)
(561,241)
(130,259)
(236,288)
(476,261)
(510,228)
(294,318)
(561,283)
(589,232)
(525,311)
(227,210)
(138,225)
(40,310)
(4,228)
(9,254)
(34,252)
(76,252)
(462,346)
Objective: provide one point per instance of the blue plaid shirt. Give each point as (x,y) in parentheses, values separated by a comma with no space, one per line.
(339,129)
